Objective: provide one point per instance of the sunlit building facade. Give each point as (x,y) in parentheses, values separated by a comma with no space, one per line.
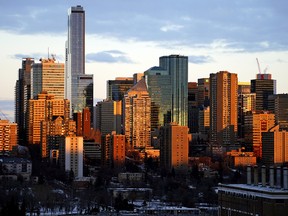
(174,144)
(48,75)
(116,89)
(137,120)
(255,124)
(177,67)
(223,109)
(8,136)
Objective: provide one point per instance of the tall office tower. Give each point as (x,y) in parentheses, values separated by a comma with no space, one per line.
(113,150)
(158,85)
(255,124)
(22,96)
(71,155)
(8,136)
(78,85)
(177,67)
(174,145)
(45,108)
(246,103)
(117,88)
(223,110)
(137,116)
(203,98)
(263,86)
(47,76)
(204,120)
(193,111)
(278,104)
(109,116)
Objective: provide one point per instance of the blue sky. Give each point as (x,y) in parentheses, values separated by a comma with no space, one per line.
(128,36)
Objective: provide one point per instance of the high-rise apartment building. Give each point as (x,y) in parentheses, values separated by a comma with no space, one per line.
(113,150)
(223,109)
(174,145)
(109,116)
(71,155)
(278,104)
(255,124)
(204,120)
(8,136)
(116,89)
(47,76)
(275,147)
(263,86)
(22,96)
(45,108)
(83,122)
(159,87)
(78,85)
(177,67)
(137,116)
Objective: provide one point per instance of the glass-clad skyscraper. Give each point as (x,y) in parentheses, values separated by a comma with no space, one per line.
(158,83)
(75,61)
(177,67)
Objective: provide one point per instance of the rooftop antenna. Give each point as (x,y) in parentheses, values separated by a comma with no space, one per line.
(258,66)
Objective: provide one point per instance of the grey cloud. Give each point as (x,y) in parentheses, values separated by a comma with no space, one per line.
(112,56)
(200,59)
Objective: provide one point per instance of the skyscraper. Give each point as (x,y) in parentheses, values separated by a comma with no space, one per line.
(223,109)
(137,112)
(263,86)
(159,87)
(47,76)
(117,88)
(193,111)
(177,67)
(22,96)
(278,104)
(78,86)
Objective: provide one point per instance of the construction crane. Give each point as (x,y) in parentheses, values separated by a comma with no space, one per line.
(258,66)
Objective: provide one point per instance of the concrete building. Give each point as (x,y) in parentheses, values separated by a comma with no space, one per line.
(113,150)
(12,167)
(8,136)
(255,124)
(275,146)
(137,116)
(174,144)
(177,67)
(45,108)
(256,198)
(71,155)
(223,110)
(48,76)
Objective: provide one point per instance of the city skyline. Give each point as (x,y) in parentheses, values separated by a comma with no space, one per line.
(126,38)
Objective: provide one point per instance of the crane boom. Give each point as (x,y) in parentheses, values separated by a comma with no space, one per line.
(258,66)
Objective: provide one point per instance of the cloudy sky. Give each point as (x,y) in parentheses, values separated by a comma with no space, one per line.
(124,37)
